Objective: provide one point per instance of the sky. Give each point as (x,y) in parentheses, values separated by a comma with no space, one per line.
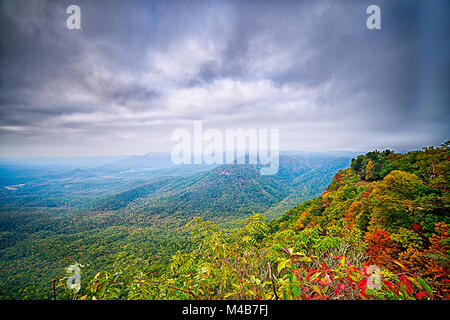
(138,70)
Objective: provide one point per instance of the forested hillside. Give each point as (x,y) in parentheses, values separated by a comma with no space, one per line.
(228,191)
(53,216)
(379,231)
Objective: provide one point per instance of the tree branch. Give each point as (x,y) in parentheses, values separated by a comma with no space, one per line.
(271,279)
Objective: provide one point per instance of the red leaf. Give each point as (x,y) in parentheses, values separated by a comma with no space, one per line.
(286,250)
(399,264)
(406,283)
(362,285)
(421,294)
(309,274)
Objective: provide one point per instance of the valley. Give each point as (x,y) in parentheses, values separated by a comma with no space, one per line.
(55,214)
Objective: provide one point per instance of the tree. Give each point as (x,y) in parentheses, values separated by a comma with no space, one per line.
(370,171)
(382,250)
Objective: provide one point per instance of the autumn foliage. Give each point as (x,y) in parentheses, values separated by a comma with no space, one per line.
(379,231)
(381,249)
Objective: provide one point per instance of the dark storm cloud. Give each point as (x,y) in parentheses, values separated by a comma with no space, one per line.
(139,69)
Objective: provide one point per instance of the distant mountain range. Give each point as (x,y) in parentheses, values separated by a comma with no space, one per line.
(230,190)
(57,211)
(151,184)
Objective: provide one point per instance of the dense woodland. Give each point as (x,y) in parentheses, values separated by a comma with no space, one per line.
(379,231)
(55,217)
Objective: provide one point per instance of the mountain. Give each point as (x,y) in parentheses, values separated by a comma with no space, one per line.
(379,231)
(60,162)
(148,161)
(229,190)
(55,216)
(73,182)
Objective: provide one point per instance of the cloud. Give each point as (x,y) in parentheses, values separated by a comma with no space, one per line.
(138,70)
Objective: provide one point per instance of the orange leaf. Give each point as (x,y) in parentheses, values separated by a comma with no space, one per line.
(399,264)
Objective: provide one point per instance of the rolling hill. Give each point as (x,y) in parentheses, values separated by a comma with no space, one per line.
(54,216)
(229,190)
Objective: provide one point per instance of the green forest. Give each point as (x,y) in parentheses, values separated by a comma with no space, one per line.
(169,153)
(380,230)
(52,217)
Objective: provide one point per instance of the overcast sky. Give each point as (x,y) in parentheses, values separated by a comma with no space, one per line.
(140,69)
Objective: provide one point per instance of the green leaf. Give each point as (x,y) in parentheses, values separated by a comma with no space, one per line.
(229,294)
(425,285)
(304,259)
(282,264)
